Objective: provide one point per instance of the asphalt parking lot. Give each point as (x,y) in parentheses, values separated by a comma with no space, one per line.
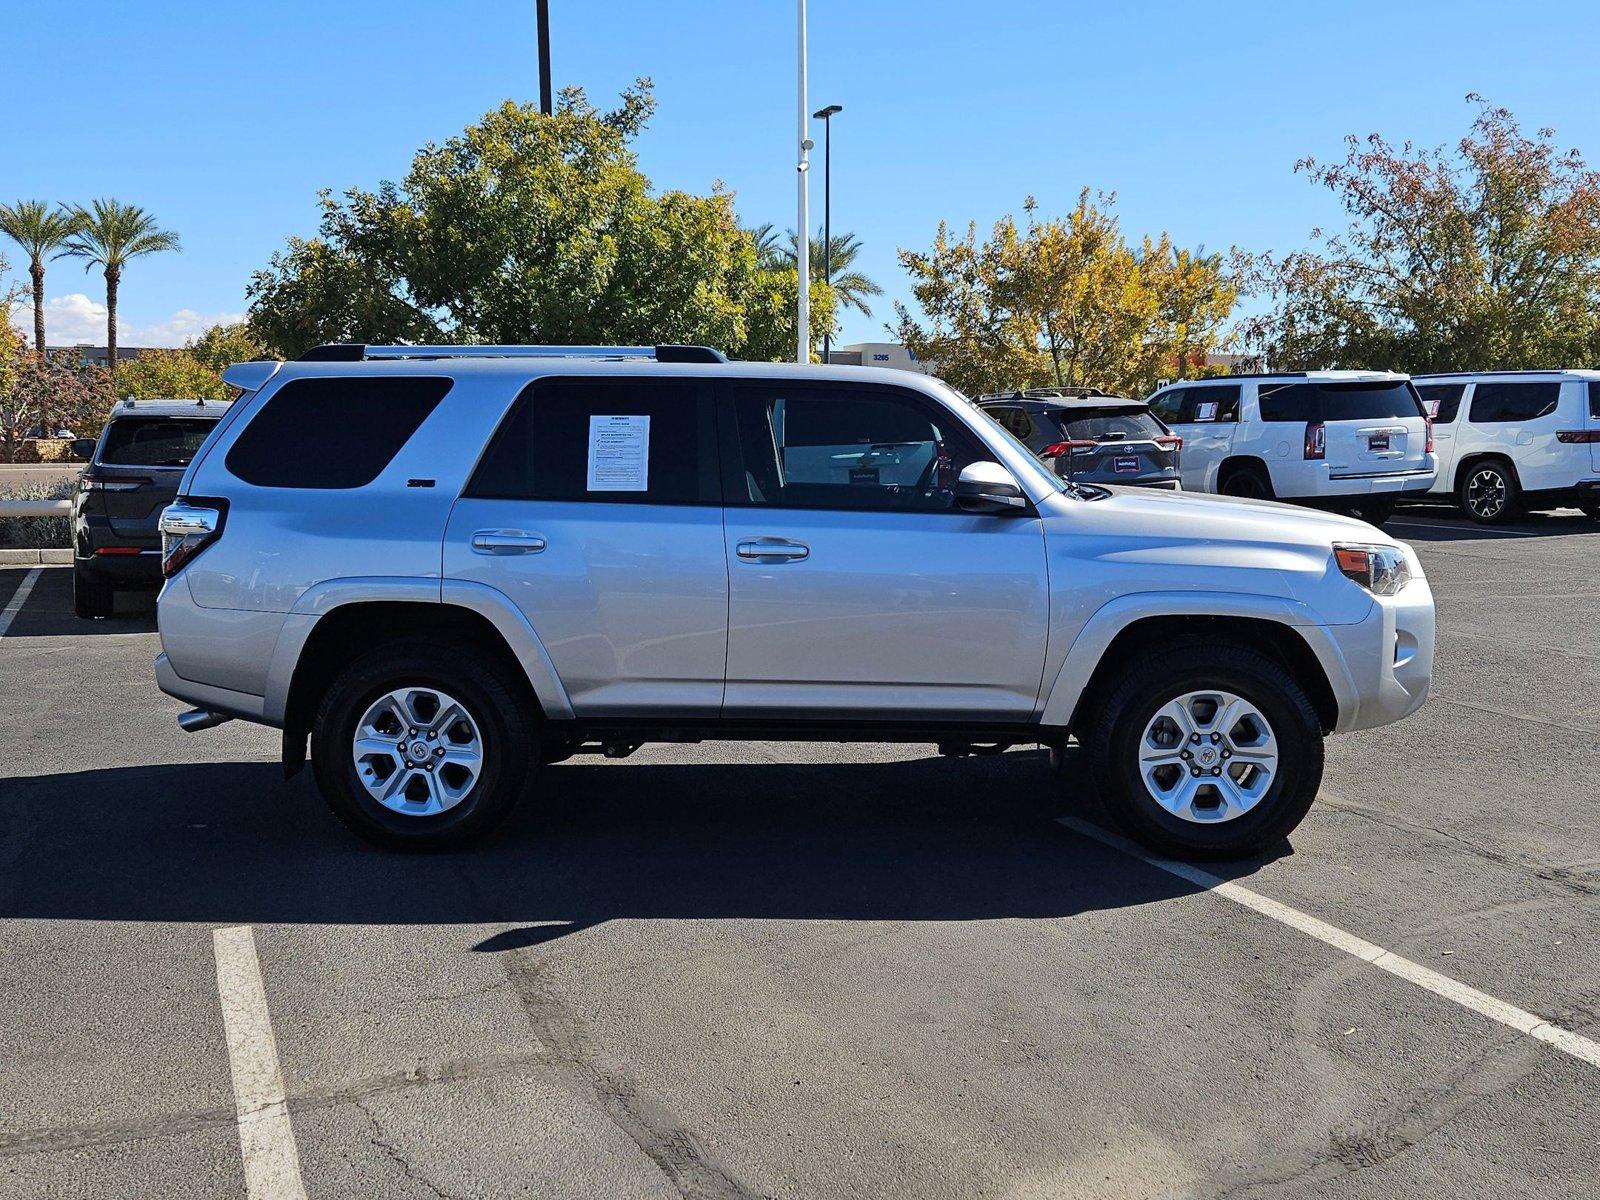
(808,971)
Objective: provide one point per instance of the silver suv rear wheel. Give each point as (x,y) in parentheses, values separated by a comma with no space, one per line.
(418,751)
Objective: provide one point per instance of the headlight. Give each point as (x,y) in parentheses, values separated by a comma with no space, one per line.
(1382,570)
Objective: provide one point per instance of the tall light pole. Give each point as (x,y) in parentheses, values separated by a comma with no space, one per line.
(543,9)
(825,115)
(803,255)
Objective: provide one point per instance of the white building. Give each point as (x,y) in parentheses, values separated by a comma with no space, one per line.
(878,354)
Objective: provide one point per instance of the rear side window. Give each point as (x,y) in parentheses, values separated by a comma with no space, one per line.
(1110,426)
(153,441)
(1441,401)
(1357,401)
(1594,401)
(1198,405)
(332,433)
(612,440)
(1501,403)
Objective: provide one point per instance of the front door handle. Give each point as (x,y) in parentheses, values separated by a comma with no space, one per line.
(763,549)
(506,541)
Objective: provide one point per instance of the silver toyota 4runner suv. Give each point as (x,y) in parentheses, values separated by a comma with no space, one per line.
(447,567)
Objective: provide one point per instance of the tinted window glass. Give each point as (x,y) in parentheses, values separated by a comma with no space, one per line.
(1338,401)
(1499,402)
(153,441)
(611,441)
(332,433)
(1441,401)
(1169,404)
(1017,422)
(1594,400)
(848,448)
(1110,426)
(1218,402)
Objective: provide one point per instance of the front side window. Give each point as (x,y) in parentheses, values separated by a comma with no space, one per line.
(1441,401)
(1169,405)
(339,432)
(613,440)
(847,448)
(1503,403)
(153,441)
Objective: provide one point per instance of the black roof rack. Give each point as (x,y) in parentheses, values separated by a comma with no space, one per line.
(362,352)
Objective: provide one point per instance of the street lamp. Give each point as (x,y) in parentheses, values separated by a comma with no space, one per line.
(825,115)
(803,168)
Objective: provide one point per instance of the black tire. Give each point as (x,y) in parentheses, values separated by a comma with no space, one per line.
(1248,483)
(1133,701)
(1590,509)
(508,731)
(92,598)
(1488,492)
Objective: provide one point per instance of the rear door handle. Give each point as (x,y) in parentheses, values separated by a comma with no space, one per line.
(760,549)
(506,541)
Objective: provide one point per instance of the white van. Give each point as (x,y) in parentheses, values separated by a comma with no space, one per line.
(1514,440)
(1356,441)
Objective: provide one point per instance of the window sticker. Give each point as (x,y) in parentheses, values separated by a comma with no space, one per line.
(619,454)
(1206,411)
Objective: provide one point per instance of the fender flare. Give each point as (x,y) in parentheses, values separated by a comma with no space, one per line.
(493,605)
(1089,647)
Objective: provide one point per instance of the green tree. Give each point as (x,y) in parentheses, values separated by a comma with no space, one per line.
(1482,256)
(41,232)
(109,235)
(1064,301)
(52,391)
(525,227)
(193,372)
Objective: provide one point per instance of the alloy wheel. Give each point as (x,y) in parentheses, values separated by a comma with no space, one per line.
(1486,493)
(418,751)
(1208,756)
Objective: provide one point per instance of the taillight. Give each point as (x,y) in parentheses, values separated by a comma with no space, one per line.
(1057,449)
(115,551)
(91,482)
(1173,442)
(1578,436)
(1316,440)
(1428,421)
(188,527)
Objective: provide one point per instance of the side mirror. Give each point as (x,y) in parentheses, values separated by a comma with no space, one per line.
(83,448)
(985,487)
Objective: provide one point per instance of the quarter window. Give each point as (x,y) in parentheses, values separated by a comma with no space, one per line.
(1594,400)
(1503,403)
(333,433)
(1015,420)
(615,441)
(847,448)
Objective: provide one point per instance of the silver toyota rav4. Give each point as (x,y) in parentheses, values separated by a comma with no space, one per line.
(447,567)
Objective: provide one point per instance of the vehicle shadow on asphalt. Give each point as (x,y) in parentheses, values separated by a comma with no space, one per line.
(1424,523)
(47,611)
(926,839)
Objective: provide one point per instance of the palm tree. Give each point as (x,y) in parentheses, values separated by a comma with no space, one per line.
(38,230)
(852,287)
(110,233)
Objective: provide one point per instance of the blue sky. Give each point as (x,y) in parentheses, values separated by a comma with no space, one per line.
(225,119)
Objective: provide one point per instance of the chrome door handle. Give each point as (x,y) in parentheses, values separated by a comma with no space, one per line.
(506,541)
(758,549)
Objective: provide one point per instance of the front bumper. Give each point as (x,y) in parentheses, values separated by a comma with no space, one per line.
(1382,666)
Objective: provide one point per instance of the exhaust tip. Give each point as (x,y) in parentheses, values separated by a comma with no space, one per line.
(197,719)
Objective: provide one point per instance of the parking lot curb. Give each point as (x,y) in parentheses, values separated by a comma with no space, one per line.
(33,558)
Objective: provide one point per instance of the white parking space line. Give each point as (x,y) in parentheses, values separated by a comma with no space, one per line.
(1534,1026)
(18,599)
(1482,532)
(271,1162)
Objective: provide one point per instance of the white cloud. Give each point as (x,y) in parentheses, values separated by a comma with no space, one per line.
(77,317)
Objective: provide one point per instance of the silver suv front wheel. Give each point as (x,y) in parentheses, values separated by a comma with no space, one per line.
(1205,750)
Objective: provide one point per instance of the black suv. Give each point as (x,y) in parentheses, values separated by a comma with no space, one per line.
(133,473)
(1090,437)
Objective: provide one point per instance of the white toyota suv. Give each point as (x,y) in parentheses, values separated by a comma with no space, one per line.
(1354,441)
(448,567)
(1515,440)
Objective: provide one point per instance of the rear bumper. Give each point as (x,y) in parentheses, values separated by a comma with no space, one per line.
(201,695)
(1313,481)
(129,570)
